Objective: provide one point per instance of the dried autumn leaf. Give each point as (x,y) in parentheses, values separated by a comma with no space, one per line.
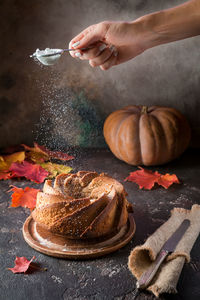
(7,160)
(36,157)
(35,153)
(41,152)
(3,165)
(146,179)
(17,156)
(32,172)
(55,169)
(24,197)
(54,154)
(21,264)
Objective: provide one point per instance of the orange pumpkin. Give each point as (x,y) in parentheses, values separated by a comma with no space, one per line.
(141,135)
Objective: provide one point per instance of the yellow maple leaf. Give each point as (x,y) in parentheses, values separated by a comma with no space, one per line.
(55,169)
(7,160)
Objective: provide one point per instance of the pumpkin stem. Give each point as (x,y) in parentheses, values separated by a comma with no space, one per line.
(144,109)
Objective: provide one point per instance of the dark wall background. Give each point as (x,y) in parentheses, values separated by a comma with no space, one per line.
(66,104)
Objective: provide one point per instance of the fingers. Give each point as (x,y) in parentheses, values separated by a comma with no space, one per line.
(112,61)
(89,36)
(93,52)
(102,57)
(89,53)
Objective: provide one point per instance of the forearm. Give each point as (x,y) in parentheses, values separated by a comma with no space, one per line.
(170,25)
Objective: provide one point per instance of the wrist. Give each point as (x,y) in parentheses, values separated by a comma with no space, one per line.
(148,30)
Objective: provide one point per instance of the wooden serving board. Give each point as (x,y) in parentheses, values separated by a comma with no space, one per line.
(59,246)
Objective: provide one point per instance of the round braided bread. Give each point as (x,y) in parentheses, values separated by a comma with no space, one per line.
(82,205)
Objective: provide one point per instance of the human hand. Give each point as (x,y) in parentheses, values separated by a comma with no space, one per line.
(109,43)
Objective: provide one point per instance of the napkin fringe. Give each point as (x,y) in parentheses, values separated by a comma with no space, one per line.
(138,255)
(178,253)
(157,290)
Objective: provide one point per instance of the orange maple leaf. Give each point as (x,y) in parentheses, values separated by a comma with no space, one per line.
(146,179)
(167,180)
(24,198)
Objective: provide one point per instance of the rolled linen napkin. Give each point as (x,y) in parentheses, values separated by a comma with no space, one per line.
(141,257)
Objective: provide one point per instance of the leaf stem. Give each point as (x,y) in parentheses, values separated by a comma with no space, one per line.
(37,268)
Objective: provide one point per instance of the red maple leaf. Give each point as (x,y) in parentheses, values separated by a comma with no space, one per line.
(5,175)
(24,198)
(32,172)
(147,179)
(21,264)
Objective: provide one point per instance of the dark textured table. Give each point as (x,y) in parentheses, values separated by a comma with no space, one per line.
(108,277)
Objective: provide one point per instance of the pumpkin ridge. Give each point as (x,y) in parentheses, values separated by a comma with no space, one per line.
(156,144)
(117,133)
(123,130)
(110,131)
(132,116)
(139,143)
(171,149)
(166,148)
(139,133)
(176,114)
(176,130)
(150,134)
(183,125)
(159,150)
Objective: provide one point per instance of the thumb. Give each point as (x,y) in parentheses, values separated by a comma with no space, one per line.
(89,36)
